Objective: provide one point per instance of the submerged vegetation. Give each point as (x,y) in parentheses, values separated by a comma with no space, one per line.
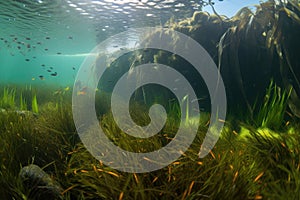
(273,109)
(256,157)
(250,162)
(250,49)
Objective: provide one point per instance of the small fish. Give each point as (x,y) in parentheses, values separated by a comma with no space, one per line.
(70,37)
(73,68)
(42,77)
(27,38)
(47,38)
(115,46)
(51,67)
(67,88)
(39,43)
(54,74)
(43,65)
(49,70)
(58,53)
(19,47)
(1,38)
(28,46)
(33,57)
(27,59)
(82,91)
(46,49)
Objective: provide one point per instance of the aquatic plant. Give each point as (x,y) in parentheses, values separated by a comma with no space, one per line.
(273,109)
(251,168)
(23,104)
(34,104)
(8,98)
(250,49)
(261,164)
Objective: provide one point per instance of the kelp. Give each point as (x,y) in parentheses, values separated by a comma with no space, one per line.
(250,49)
(262,45)
(284,39)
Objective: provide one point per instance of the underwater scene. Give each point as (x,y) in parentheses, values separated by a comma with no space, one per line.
(149,99)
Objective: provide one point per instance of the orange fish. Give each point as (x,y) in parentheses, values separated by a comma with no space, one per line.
(82,91)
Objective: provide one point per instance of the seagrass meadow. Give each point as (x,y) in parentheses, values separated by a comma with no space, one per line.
(257,155)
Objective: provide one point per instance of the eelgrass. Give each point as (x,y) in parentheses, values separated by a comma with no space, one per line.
(34,104)
(7,101)
(272,111)
(23,104)
(262,164)
(236,168)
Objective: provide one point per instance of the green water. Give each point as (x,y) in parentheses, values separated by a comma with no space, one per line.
(45,43)
(40,38)
(33,57)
